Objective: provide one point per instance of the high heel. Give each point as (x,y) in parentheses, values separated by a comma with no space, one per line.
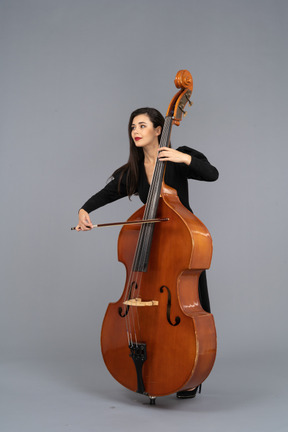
(189,394)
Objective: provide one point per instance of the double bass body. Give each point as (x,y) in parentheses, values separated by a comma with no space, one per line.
(163,306)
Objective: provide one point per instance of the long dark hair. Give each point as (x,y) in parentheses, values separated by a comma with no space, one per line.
(136,154)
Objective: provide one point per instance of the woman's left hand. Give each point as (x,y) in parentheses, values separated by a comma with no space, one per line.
(168,154)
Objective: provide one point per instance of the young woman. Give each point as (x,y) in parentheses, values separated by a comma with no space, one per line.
(134,178)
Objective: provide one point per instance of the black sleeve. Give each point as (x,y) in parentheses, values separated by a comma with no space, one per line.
(107,195)
(199,168)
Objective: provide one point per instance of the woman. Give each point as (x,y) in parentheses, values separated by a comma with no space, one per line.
(133,178)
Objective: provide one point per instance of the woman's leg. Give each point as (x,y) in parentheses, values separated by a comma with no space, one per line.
(203,292)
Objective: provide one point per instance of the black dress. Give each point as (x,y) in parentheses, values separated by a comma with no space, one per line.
(176,176)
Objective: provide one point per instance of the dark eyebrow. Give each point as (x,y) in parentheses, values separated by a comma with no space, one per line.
(138,123)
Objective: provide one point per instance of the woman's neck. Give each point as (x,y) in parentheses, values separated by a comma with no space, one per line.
(151,154)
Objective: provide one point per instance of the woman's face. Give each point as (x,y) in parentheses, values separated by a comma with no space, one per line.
(143,132)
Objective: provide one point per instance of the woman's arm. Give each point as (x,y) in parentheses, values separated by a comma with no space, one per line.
(194,164)
(110,193)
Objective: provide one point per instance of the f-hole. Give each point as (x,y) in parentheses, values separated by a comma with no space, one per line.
(168,312)
(120,310)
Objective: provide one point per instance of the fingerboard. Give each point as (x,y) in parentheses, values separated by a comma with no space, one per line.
(143,248)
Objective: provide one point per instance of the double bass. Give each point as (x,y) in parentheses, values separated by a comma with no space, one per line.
(157,339)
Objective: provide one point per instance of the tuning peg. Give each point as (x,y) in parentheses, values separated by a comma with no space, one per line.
(189,101)
(184,112)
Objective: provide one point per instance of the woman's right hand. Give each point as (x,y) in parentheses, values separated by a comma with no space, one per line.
(84,223)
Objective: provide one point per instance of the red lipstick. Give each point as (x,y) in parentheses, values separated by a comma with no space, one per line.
(137,138)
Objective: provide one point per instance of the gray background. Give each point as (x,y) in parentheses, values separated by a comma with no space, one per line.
(71,73)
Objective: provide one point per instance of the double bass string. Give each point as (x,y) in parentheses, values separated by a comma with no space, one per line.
(135,279)
(145,239)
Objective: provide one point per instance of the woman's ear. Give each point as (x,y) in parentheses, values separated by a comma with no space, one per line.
(158,130)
